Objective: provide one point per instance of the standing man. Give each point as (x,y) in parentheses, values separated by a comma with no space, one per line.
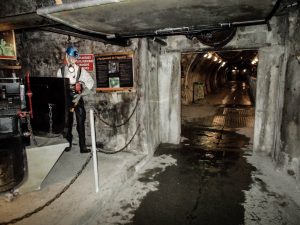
(80,80)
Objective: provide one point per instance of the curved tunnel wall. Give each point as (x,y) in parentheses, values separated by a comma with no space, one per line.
(206,71)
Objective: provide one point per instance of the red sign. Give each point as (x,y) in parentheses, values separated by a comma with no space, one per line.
(86,61)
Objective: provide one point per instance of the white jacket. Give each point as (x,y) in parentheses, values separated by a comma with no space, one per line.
(85,77)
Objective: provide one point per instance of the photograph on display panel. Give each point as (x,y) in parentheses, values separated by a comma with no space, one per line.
(114,71)
(8,45)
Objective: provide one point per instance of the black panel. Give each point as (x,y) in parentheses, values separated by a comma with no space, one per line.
(45,91)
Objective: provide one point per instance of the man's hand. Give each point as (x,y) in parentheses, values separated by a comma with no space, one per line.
(78,87)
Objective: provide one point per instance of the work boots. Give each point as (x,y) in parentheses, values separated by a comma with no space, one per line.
(67,149)
(69,138)
(82,145)
(85,150)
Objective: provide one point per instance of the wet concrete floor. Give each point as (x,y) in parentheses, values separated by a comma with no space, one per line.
(207,183)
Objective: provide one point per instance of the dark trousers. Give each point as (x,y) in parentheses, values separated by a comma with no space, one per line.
(80,119)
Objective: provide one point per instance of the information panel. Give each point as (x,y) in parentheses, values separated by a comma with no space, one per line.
(114,71)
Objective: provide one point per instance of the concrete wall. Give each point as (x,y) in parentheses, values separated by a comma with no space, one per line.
(277,130)
(268,93)
(148,87)
(288,157)
(170,97)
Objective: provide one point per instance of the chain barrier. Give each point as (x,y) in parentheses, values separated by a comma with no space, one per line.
(108,151)
(49,202)
(50,118)
(118,125)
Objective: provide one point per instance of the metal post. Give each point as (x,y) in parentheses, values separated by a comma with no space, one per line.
(92,121)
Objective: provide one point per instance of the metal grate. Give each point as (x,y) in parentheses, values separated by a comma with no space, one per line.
(234,118)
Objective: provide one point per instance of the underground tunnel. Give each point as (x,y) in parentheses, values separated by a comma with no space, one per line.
(188,130)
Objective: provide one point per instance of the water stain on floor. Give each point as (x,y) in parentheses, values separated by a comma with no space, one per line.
(207,184)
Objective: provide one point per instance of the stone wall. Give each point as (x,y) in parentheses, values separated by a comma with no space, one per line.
(15,7)
(42,53)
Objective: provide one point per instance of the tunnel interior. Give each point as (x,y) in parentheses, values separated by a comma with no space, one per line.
(218,98)
(217,116)
(208,73)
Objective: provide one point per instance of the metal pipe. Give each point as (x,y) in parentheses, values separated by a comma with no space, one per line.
(94,152)
(159,40)
(169,31)
(276,6)
(47,11)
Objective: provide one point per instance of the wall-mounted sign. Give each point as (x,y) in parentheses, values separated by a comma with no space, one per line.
(114,71)
(8,45)
(86,61)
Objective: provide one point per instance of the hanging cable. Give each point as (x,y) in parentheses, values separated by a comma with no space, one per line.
(110,151)
(117,125)
(49,202)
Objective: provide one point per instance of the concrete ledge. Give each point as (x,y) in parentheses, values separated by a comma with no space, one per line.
(79,202)
(40,160)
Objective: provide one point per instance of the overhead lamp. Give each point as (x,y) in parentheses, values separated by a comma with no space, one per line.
(220,61)
(209,55)
(205,55)
(255,60)
(223,64)
(215,58)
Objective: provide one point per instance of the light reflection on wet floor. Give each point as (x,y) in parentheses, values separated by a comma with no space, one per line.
(206,186)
